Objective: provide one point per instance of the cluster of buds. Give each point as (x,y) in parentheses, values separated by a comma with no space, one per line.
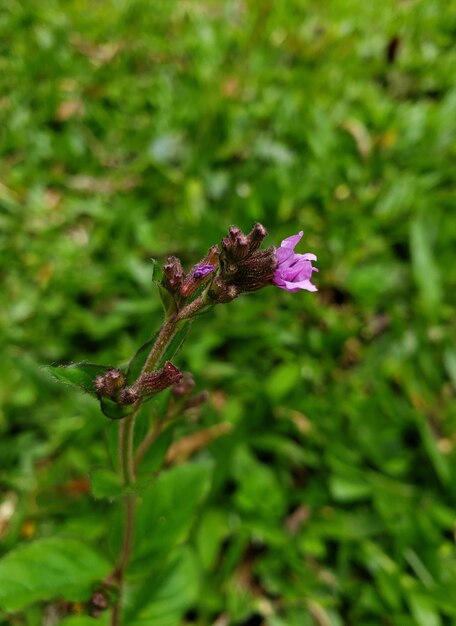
(243,268)
(239,267)
(146,386)
(182,286)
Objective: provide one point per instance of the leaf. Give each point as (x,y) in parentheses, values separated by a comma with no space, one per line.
(176,342)
(349,489)
(437,459)
(113,410)
(106,484)
(167,300)
(85,620)
(138,361)
(168,508)
(80,375)
(425,269)
(48,568)
(166,595)
(155,455)
(423,610)
(282,380)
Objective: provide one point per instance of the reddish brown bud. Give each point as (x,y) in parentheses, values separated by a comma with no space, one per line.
(195,401)
(256,236)
(185,386)
(222,292)
(235,245)
(130,395)
(174,274)
(109,384)
(200,273)
(150,384)
(256,271)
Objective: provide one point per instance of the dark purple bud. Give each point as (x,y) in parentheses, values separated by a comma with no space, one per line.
(235,245)
(174,274)
(98,603)
(109,384)
(130,395)
(185,386)
(256,236)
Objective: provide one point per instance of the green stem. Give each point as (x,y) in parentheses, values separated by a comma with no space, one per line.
(127,460)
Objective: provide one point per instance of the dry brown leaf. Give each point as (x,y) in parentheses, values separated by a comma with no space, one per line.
(68,109)
(181,450)
(360,134)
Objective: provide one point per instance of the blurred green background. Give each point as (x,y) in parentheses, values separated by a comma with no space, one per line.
(131,130)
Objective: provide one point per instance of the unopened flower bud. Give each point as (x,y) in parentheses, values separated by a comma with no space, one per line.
(197,277)
(185,386)
(256,236)
(221,291)
(110,383)
(256,271)
(235,245)
(98,603)
(174,274)
(150,384)
(130,395)
(197,400)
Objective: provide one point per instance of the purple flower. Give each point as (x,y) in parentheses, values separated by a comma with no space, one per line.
(294,271)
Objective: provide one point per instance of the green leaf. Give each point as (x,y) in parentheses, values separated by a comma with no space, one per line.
(48,568)
(155,455)
(85,620)
(113,410)
(282,380)
(106,484)
(425,269)
(168,508)
(138,361)
(176,342)
(424,610)
(80,375)
(349,489)
(437,459)
(166,595)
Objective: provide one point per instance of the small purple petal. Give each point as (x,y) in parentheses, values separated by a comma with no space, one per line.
(202,271)
(294,271)
(292,242)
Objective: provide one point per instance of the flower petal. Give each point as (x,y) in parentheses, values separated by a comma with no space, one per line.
(291,242)
(292,287)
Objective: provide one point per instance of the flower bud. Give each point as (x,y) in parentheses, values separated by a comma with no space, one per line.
(174,274)
(256,271)
(256,236)
(197,277)
(221,291)
(150,384)
(197,400)
(109,384)
(235,245)
(185,386)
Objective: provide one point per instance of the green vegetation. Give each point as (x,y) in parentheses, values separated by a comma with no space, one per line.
(131,130)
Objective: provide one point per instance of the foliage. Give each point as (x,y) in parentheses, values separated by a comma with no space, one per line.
(130,132)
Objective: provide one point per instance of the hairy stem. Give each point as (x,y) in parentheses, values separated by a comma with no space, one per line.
(128,461)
